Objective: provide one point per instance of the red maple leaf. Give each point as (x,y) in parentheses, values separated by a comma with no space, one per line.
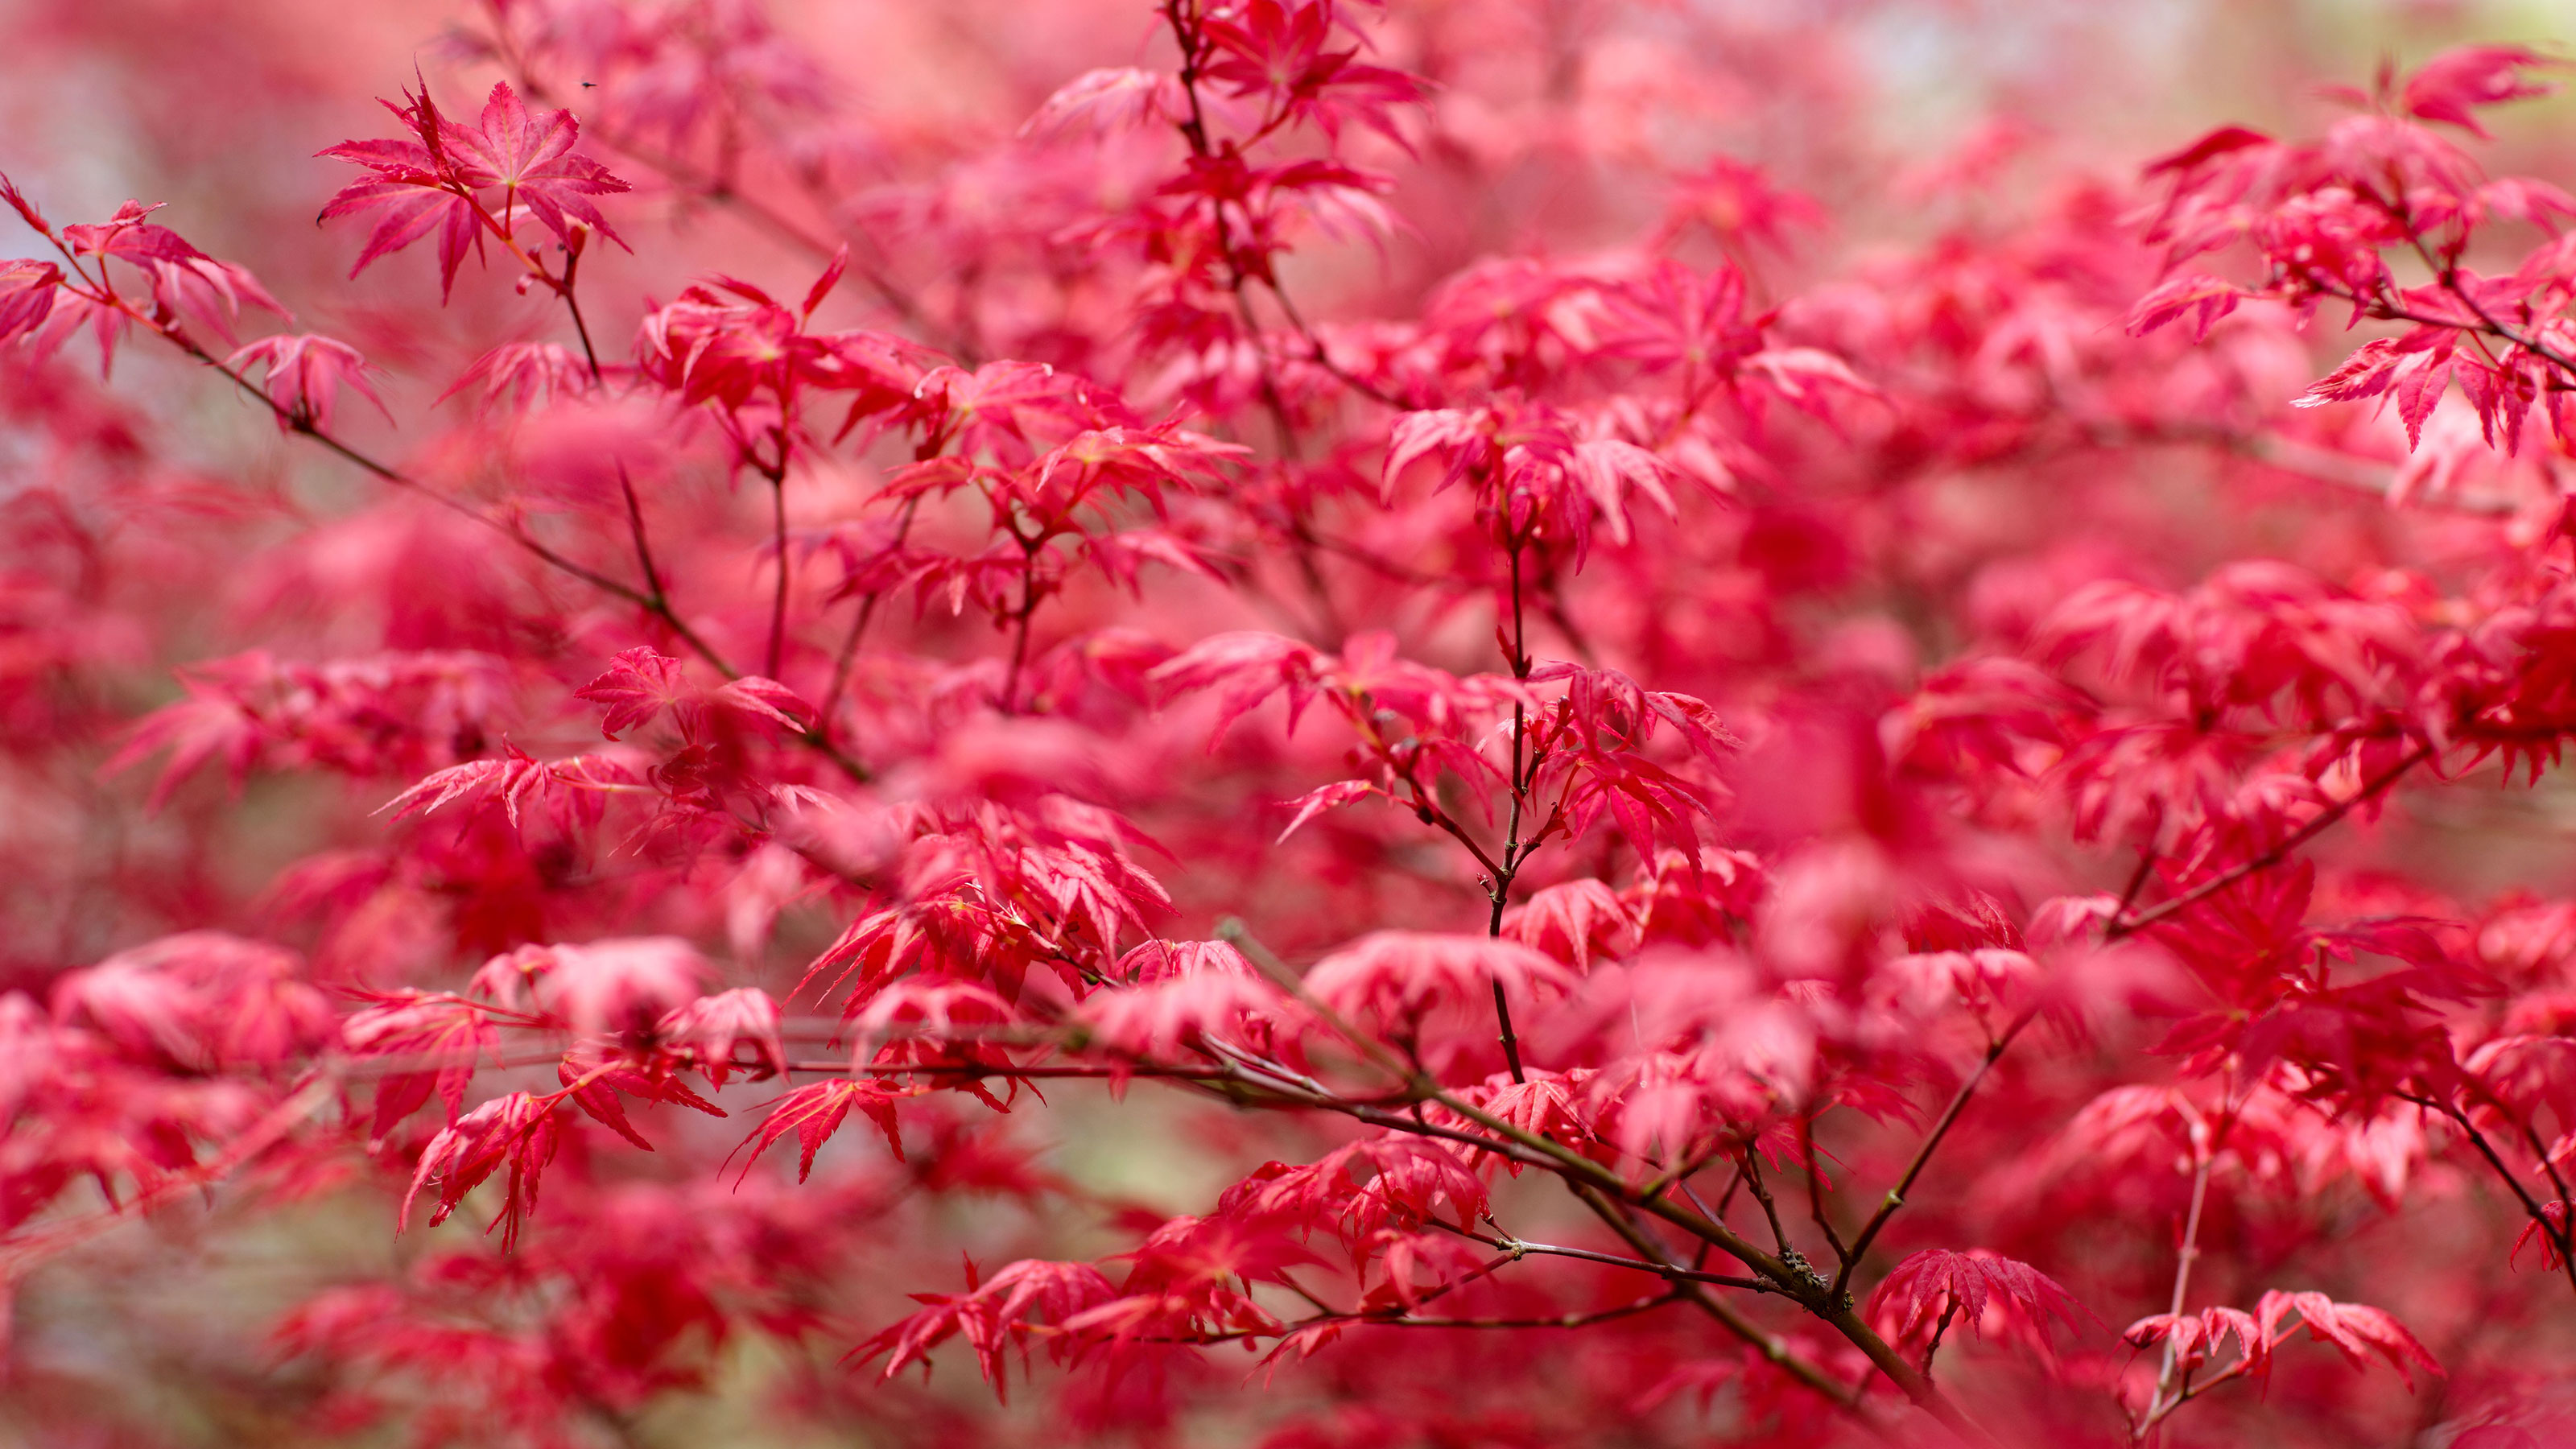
(435,180)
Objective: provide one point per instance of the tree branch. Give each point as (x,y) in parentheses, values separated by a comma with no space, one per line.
(2324,821)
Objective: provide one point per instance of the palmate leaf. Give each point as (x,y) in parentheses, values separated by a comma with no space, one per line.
(1920,1290)
(636,688)
(2356,1329)
(565,792)
(27,291)
(303,375)
(434,180)
(816,1111)
(517,1131)
(410,203)
(443,1036)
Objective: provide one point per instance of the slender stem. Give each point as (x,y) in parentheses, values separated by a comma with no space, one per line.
(1949,1310)
(2137,882)
(1194,130)
(2189,1252)
(1191,39)
(1429,810)
(1762,1195)
(296,422)
(1316,354)
(1499,883)
(1232,930)
(1679,1174)
(2541,1152)
(1518,1246)
(2562,1237)
(1020,620)
(2325,819)
(1816,1192)
(2189,1391)
(1931,1142)
(847,658)
(572,304)
(1511,1042)
(1411,1320)
(635,528)
(1582,1173)
(778,541)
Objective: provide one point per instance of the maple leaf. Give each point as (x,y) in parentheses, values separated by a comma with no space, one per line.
(570,789)
(2223,141)
(1931,1284)
(1246,667)
(1676,316)
(187,285)
(1208,988)
(127,237)
(1326,797)
(415,197)
(200,999)
(433,180)
(637,687)
(1390,1181)
(517,1131)
(17,201)
(614,984)
(1552,1104)
(711,1031)
(2548,1227)
(1571,920)
(2197,295)
(1610,470)
(1395,978)
(1276,49)
(1101,102)
(1463,435)
(1737,200)
(208,292)
(517,374)
(592,1082)
(2448,86)
(2356,1329)
(303,377)
(725,341)
(767,698)
(27,291)
(816,1111)
(993,1315)
(451,1033)
(529,156)
(928,1006)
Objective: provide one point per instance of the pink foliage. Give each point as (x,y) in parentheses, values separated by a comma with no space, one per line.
(1313,672)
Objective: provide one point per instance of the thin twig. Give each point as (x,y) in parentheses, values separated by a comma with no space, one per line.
(303,425)
(1923,1151)
(1773,1347)
(2324,820)
(2184,1257)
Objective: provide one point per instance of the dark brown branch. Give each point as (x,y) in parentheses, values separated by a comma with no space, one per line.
(2560,1236)
(1773,1347)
